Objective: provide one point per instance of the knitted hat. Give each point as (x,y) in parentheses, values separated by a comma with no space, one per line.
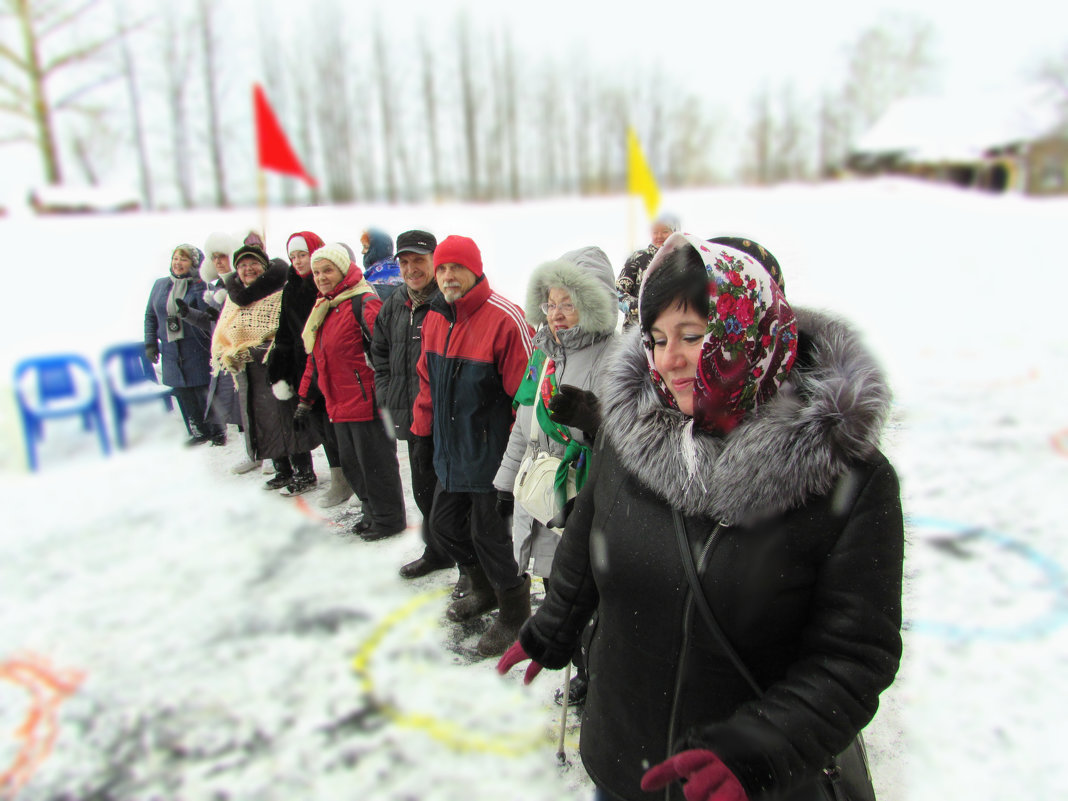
(307,241)
(671,221)
(192,252)
(335,253)
(416,241)
(459,250)
(255,251)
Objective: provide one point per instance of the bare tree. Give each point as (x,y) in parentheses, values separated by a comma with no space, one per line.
(431,121)
(468,103)
(210,74)
(40,56)
(886,62)
(133,93)
(176,68)
(761,135)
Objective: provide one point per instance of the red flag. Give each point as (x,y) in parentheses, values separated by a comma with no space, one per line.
(274,150)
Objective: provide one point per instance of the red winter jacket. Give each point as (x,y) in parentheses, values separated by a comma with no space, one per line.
(339,361)
(475,352)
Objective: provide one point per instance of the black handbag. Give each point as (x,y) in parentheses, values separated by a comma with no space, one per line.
(847,777)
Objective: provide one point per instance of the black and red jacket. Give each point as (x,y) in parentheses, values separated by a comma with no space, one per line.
(472,362)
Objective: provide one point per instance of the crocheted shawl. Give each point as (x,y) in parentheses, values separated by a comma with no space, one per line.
(242,328)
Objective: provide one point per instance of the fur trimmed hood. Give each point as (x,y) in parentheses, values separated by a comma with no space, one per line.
(587,275)
(828,413)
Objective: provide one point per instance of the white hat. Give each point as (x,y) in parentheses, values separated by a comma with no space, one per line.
(336,254)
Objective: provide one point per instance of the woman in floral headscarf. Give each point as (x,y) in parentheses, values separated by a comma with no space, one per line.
(736,480)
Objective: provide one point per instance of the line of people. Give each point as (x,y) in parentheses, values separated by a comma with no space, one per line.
(729,570)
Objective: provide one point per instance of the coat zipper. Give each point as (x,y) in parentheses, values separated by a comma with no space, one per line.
(705,551)
(444,440)
(359,381)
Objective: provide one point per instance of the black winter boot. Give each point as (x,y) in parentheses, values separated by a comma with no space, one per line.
(515,609)
(480,600)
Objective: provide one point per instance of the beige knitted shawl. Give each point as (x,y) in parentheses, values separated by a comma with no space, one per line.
(242,328)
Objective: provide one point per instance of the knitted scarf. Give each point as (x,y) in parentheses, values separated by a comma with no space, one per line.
(419,298)
(179,286)
(242,328)
(352,285)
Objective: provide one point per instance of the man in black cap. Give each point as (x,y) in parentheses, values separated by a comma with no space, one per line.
(395,353)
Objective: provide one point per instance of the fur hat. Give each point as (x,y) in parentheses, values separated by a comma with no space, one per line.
(670,220)
(459,250)
(335,253)
(219,242)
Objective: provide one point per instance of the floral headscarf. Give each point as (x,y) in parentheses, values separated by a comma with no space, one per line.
(750,341)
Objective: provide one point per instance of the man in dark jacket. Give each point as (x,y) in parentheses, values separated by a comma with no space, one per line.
(476,345)
(395,350)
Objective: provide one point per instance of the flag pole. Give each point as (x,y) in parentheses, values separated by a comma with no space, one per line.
(261,187)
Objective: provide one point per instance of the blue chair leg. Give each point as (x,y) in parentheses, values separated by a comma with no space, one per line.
(29,429)
(102,428)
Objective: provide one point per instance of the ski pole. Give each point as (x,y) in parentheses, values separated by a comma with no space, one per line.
(560,756)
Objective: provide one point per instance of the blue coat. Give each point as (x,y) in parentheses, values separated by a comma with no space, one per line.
(186,362)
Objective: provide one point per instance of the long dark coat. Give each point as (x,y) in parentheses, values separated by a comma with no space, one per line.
(186,362)
(795,521)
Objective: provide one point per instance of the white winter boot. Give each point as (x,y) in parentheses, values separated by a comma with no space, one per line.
(339,491)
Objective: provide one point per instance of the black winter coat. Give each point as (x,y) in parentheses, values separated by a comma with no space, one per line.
(804,576)
(395,348)
(288,357)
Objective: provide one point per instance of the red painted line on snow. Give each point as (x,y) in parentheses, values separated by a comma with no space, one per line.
(1059,441)
(47,688)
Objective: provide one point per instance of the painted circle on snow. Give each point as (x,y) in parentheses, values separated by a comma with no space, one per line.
(1019,593)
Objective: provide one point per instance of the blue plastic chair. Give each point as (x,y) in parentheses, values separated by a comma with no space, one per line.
(130,379)
(47,387)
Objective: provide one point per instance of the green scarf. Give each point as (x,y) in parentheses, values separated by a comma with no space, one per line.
(575,453)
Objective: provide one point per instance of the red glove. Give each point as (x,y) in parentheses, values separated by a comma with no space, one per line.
(706,777)
(512,657)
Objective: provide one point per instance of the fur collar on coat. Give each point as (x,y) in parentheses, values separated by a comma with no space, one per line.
(274,278)
(829,413)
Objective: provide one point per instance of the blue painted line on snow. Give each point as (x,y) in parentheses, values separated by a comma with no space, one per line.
(1042,625)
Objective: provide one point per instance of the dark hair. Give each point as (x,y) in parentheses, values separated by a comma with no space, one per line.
(680,281)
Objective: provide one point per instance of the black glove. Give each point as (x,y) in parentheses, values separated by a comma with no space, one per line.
(505,505)
(423,452)
(577,408)
(152,353)
(212,313)
(301,415)
(183,307)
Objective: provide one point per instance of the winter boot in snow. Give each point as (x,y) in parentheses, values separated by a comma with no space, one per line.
(480,600)
(301,483)
(246,466)
(339,491)
(515,609)
(462,588)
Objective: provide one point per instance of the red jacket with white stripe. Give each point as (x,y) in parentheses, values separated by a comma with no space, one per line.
(472,362)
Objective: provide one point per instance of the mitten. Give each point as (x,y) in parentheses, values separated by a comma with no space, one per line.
(183,307)
(212,313)
(301,415)
(282,390)
(505,505)
(513,656)
(152,353)
(578,408)
(705,777)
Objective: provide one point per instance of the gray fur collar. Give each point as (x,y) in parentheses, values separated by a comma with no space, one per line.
(828,414)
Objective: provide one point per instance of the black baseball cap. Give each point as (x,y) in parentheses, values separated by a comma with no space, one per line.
(416,242)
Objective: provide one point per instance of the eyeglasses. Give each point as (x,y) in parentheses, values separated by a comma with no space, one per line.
(564,308)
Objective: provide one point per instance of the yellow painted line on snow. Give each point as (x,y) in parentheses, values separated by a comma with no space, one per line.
(453,735)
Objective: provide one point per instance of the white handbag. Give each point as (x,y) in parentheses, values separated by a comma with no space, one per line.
(535,483)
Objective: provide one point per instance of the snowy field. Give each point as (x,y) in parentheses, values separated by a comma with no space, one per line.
(171,631)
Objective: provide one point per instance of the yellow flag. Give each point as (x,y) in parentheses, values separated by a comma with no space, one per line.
(640,179)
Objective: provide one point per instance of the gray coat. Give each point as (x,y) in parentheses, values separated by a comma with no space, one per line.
(587,276)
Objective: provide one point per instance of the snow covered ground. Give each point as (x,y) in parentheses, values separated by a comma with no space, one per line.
(169,630)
